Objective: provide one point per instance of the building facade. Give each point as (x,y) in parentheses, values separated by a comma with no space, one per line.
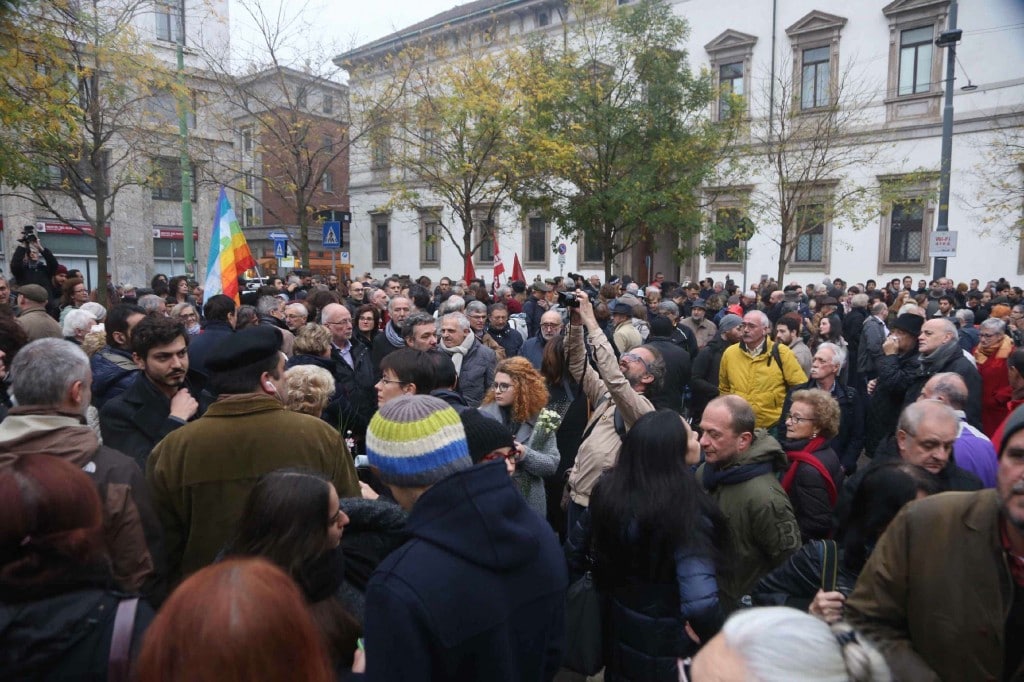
(887,49)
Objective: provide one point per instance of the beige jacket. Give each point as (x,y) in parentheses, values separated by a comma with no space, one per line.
(607,390)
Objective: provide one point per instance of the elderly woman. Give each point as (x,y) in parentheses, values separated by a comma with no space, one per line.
(187,313)
(994,347)
(815,475)
(516,399)
(309,389)
(77,323)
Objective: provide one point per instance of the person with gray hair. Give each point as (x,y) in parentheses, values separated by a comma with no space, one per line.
(96,310)
(77,323)
(940,352)
(973,449)
(825,366)
(452,304)
(681,336)
(760,370)
(152,303)
(51,384)
(869,346)
(399,308)
(774,643)
(476,311)
(991,357)
(967,333)
(420,331)
(474,362)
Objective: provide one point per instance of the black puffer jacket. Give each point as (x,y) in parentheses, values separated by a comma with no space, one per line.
(63,636)
(812,505)
(704,375)
(795,582)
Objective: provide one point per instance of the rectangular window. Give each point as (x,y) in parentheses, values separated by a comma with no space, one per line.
(906,233)
(380,152)
(247,140)
(537,240)
(730,82)
(915,60)
(327,143)
(810,229)
(164,109)
(170,24)
(328,182)
(543,19)
(592,252)
(814,82)
(300,99)
(485,238)
(328,104)
(431,241)
(248,218)
(250,181)
(728,223)
(381,242)
(166,184)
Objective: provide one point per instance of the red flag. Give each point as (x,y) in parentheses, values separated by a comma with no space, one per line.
(469,274)
(517,270)
(499,267)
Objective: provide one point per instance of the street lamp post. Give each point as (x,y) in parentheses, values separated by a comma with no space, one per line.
(947,39)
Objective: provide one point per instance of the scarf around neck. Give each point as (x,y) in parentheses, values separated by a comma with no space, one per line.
(940,356)
(459,352)
(393,335)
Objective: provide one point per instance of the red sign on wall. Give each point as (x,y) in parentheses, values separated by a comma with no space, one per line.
(76,227)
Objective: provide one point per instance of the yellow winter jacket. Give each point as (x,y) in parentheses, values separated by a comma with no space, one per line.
(759,379)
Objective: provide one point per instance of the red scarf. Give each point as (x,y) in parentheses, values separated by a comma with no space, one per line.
(807,456)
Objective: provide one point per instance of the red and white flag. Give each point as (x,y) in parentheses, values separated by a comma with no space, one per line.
(499,267)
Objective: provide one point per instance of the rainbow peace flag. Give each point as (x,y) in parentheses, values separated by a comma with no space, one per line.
(229,253)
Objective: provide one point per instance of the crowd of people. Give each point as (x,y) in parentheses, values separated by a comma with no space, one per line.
(397,480)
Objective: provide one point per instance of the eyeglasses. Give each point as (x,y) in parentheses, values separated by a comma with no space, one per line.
(366,318)
(989,336)
(393,381)
(501,388)
(633,357)
(511,456)
(342,323)
(550,325)
(798,420)
(189,316)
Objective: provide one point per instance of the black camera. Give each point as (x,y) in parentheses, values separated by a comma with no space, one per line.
(568,299)
(28,235)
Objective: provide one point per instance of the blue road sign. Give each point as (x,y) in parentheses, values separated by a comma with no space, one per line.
(332,234)
(280,248)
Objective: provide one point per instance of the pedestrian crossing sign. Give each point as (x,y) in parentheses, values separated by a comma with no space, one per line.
(280,248)
(332,235)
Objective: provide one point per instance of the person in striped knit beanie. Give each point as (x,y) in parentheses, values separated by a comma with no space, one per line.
(477,591)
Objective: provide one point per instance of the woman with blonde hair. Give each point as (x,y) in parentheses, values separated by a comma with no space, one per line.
(309,389)
(516,399)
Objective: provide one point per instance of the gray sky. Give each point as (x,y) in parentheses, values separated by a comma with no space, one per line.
(338,25)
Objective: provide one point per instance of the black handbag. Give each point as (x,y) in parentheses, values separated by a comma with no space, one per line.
(584,616)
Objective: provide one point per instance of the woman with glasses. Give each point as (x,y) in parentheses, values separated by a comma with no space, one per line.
(367,319)
(189,316)
(992,355)
(815,476)
(73,295)
(294,518)
(516,399)
(655,543)
(405,372)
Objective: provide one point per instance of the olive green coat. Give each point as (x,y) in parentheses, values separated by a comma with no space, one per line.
(201,474)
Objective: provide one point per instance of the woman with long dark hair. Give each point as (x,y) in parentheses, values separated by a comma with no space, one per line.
(367,320)
(294,518)
(178,291)
(657,543)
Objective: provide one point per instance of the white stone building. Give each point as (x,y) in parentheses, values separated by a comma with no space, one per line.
(887,45)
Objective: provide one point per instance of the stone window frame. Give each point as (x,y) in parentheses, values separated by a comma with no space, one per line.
(729,47)
(815,29)
(822,193)
(903,15)
(377,219)
(427,215)
(581,256)
(736,197)
(924,188)
(480,221)
(526,241)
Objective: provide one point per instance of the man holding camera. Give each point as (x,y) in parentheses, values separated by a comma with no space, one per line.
(32,263)
(618,391)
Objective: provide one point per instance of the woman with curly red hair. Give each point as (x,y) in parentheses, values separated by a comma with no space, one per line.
(516,399)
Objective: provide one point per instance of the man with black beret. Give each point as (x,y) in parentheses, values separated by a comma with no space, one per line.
(201,473)
(942,594)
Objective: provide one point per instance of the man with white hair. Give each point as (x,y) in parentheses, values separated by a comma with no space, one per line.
(940,352)
(295,316)
(551,325)
(391,340)
(474,362)
(825,366)
(759,370)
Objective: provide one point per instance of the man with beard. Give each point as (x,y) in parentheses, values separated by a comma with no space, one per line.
(703,329)
(159,401)
(550,327)
(965,621)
